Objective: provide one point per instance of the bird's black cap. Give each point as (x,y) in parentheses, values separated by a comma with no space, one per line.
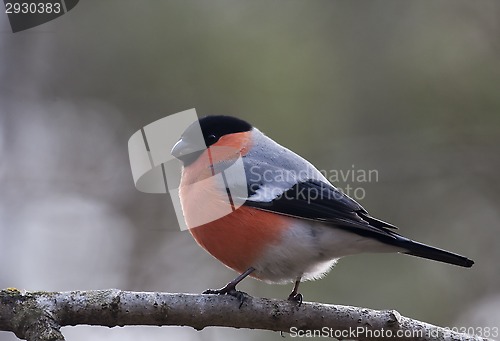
(212,128)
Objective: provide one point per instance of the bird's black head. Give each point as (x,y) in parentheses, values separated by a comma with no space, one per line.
(191,144)
(214,127)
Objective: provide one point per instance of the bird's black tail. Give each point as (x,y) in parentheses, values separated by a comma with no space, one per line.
(430,252)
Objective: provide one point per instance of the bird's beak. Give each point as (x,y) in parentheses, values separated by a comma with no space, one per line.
(186,152)
(180,148)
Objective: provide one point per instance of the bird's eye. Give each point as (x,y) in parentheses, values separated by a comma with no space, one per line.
(211,139)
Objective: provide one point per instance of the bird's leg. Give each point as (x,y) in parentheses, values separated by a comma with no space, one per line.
(230,288)
(294,295)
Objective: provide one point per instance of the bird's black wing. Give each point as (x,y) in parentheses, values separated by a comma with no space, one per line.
(317,200)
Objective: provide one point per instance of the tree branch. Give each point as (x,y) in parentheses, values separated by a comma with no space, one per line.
(38,316)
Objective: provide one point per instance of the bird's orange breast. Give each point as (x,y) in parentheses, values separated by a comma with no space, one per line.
(236,239)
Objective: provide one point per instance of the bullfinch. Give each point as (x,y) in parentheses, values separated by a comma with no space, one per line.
(293,224)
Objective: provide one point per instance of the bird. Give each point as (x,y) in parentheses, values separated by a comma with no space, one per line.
(291,225)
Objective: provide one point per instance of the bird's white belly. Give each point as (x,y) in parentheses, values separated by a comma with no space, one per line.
(309,250)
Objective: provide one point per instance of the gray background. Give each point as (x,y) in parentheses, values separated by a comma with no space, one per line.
(409,88)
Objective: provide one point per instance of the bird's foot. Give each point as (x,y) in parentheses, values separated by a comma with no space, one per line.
(229,290)
(296,297)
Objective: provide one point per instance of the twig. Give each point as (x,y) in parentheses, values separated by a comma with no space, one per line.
(38,316)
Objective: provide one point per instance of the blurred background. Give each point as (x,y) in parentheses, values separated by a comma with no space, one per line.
(408,88)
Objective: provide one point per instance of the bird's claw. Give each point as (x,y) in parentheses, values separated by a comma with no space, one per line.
(297,298)
(240,295)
